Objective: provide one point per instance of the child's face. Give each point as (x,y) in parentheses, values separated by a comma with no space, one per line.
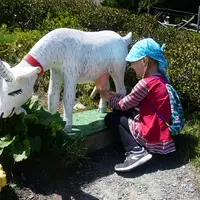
(138,66)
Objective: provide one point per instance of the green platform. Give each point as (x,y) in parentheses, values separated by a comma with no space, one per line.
(90,125)
(87,122)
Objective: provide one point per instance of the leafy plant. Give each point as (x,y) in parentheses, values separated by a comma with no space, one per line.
(144,4)
(38,131)
(28,14)
(60,20)
(14,45)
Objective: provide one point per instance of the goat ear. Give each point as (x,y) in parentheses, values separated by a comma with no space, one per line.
(26,72)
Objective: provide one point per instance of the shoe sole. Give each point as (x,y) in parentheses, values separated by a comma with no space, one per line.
(138,163)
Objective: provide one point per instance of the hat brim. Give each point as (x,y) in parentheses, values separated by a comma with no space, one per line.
(132,58)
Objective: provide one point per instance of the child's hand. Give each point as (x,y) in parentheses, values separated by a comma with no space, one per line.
(113,94)
(105,94)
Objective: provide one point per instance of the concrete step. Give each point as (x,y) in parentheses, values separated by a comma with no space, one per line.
(90,125)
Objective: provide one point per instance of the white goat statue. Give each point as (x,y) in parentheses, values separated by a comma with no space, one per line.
(73,57)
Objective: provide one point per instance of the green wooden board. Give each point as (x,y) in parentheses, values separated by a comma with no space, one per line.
(87,122)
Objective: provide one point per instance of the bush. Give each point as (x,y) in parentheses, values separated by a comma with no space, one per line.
(15,45)
(95,17)
(182,54)
(183,58)
(28,14)
(60,20)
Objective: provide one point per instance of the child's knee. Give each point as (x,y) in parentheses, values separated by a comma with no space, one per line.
(108,118)
(123,121)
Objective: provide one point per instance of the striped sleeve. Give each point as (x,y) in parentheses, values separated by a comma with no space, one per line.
(138,93)
(120,96)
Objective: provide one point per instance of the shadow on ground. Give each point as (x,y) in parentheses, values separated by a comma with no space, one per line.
(45,180)
(8,193)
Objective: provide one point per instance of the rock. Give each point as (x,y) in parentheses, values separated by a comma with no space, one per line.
(79,106)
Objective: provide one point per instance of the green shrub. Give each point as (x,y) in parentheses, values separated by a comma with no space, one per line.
(28,14)
(14,45)
(60,20)
(184,63)
(142,25)
(96,18)
(110,3)
(182,53)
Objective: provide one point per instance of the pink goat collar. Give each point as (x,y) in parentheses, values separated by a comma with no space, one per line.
(32,61)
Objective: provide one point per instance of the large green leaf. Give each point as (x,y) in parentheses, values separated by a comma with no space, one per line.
(31,118)
(20,150)
(28,119)
(1,151)
(46,118)
(33,104)
(5,142)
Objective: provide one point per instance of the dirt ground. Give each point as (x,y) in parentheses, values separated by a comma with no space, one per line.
(166,177)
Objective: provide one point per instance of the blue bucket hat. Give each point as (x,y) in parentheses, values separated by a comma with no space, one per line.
(149,47)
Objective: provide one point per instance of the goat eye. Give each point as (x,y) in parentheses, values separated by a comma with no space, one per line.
(16,92)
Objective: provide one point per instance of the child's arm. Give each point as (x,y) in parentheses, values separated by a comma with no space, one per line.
(117,95)
(132,100)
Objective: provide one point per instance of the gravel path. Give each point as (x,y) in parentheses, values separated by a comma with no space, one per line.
(166,177)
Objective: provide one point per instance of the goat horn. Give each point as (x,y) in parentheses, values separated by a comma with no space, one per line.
(5,73)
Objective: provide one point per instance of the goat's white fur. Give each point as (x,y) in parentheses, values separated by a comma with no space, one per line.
(73,57)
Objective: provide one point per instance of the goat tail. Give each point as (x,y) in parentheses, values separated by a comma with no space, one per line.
(128,38)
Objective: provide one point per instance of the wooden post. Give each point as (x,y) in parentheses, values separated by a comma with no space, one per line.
(198,22)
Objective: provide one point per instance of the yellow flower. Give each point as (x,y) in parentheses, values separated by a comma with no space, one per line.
(3,180)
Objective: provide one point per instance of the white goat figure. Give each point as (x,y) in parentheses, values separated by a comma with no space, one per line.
(73,57)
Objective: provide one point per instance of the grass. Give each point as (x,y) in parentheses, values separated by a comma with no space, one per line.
(192,128)
(188,142)
(7,38)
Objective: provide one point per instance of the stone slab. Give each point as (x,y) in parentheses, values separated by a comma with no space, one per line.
(87,122)
(99,140)
(90,125)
